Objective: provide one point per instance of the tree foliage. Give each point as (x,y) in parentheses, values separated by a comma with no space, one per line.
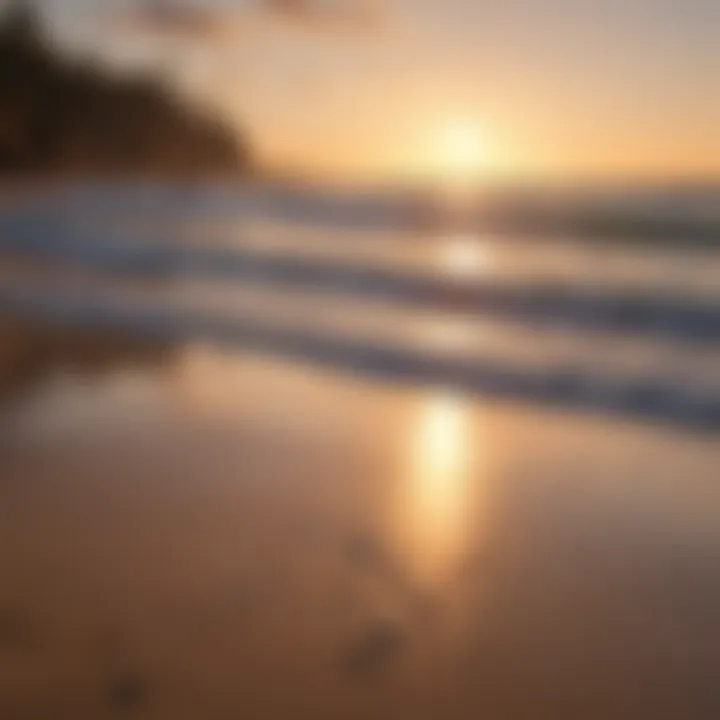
(61,115)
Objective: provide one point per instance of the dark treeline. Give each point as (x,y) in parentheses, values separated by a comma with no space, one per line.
(58,115)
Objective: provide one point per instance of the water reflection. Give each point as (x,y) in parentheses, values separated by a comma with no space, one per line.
(32,354)
(463,256)
(440,499)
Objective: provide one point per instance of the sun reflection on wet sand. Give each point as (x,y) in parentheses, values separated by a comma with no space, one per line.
(440,499)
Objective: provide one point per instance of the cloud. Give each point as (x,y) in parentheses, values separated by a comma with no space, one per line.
(330,14)
(194,21)
(164,17)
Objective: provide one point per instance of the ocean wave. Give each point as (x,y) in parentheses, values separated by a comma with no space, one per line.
(544,302)
(667,398)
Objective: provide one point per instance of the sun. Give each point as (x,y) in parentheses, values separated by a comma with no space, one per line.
(461,152)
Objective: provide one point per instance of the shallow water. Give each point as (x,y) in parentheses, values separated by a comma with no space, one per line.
(611,327)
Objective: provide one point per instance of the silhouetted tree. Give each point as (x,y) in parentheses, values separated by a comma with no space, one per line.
(63,115)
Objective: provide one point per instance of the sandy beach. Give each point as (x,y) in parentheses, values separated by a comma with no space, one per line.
(192,533)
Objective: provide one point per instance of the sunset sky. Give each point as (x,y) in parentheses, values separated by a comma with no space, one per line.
(558,88)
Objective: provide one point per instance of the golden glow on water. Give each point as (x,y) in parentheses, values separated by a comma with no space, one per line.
(443,470)
(463,256)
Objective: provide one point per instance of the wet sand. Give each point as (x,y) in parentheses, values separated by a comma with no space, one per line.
(189,533)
